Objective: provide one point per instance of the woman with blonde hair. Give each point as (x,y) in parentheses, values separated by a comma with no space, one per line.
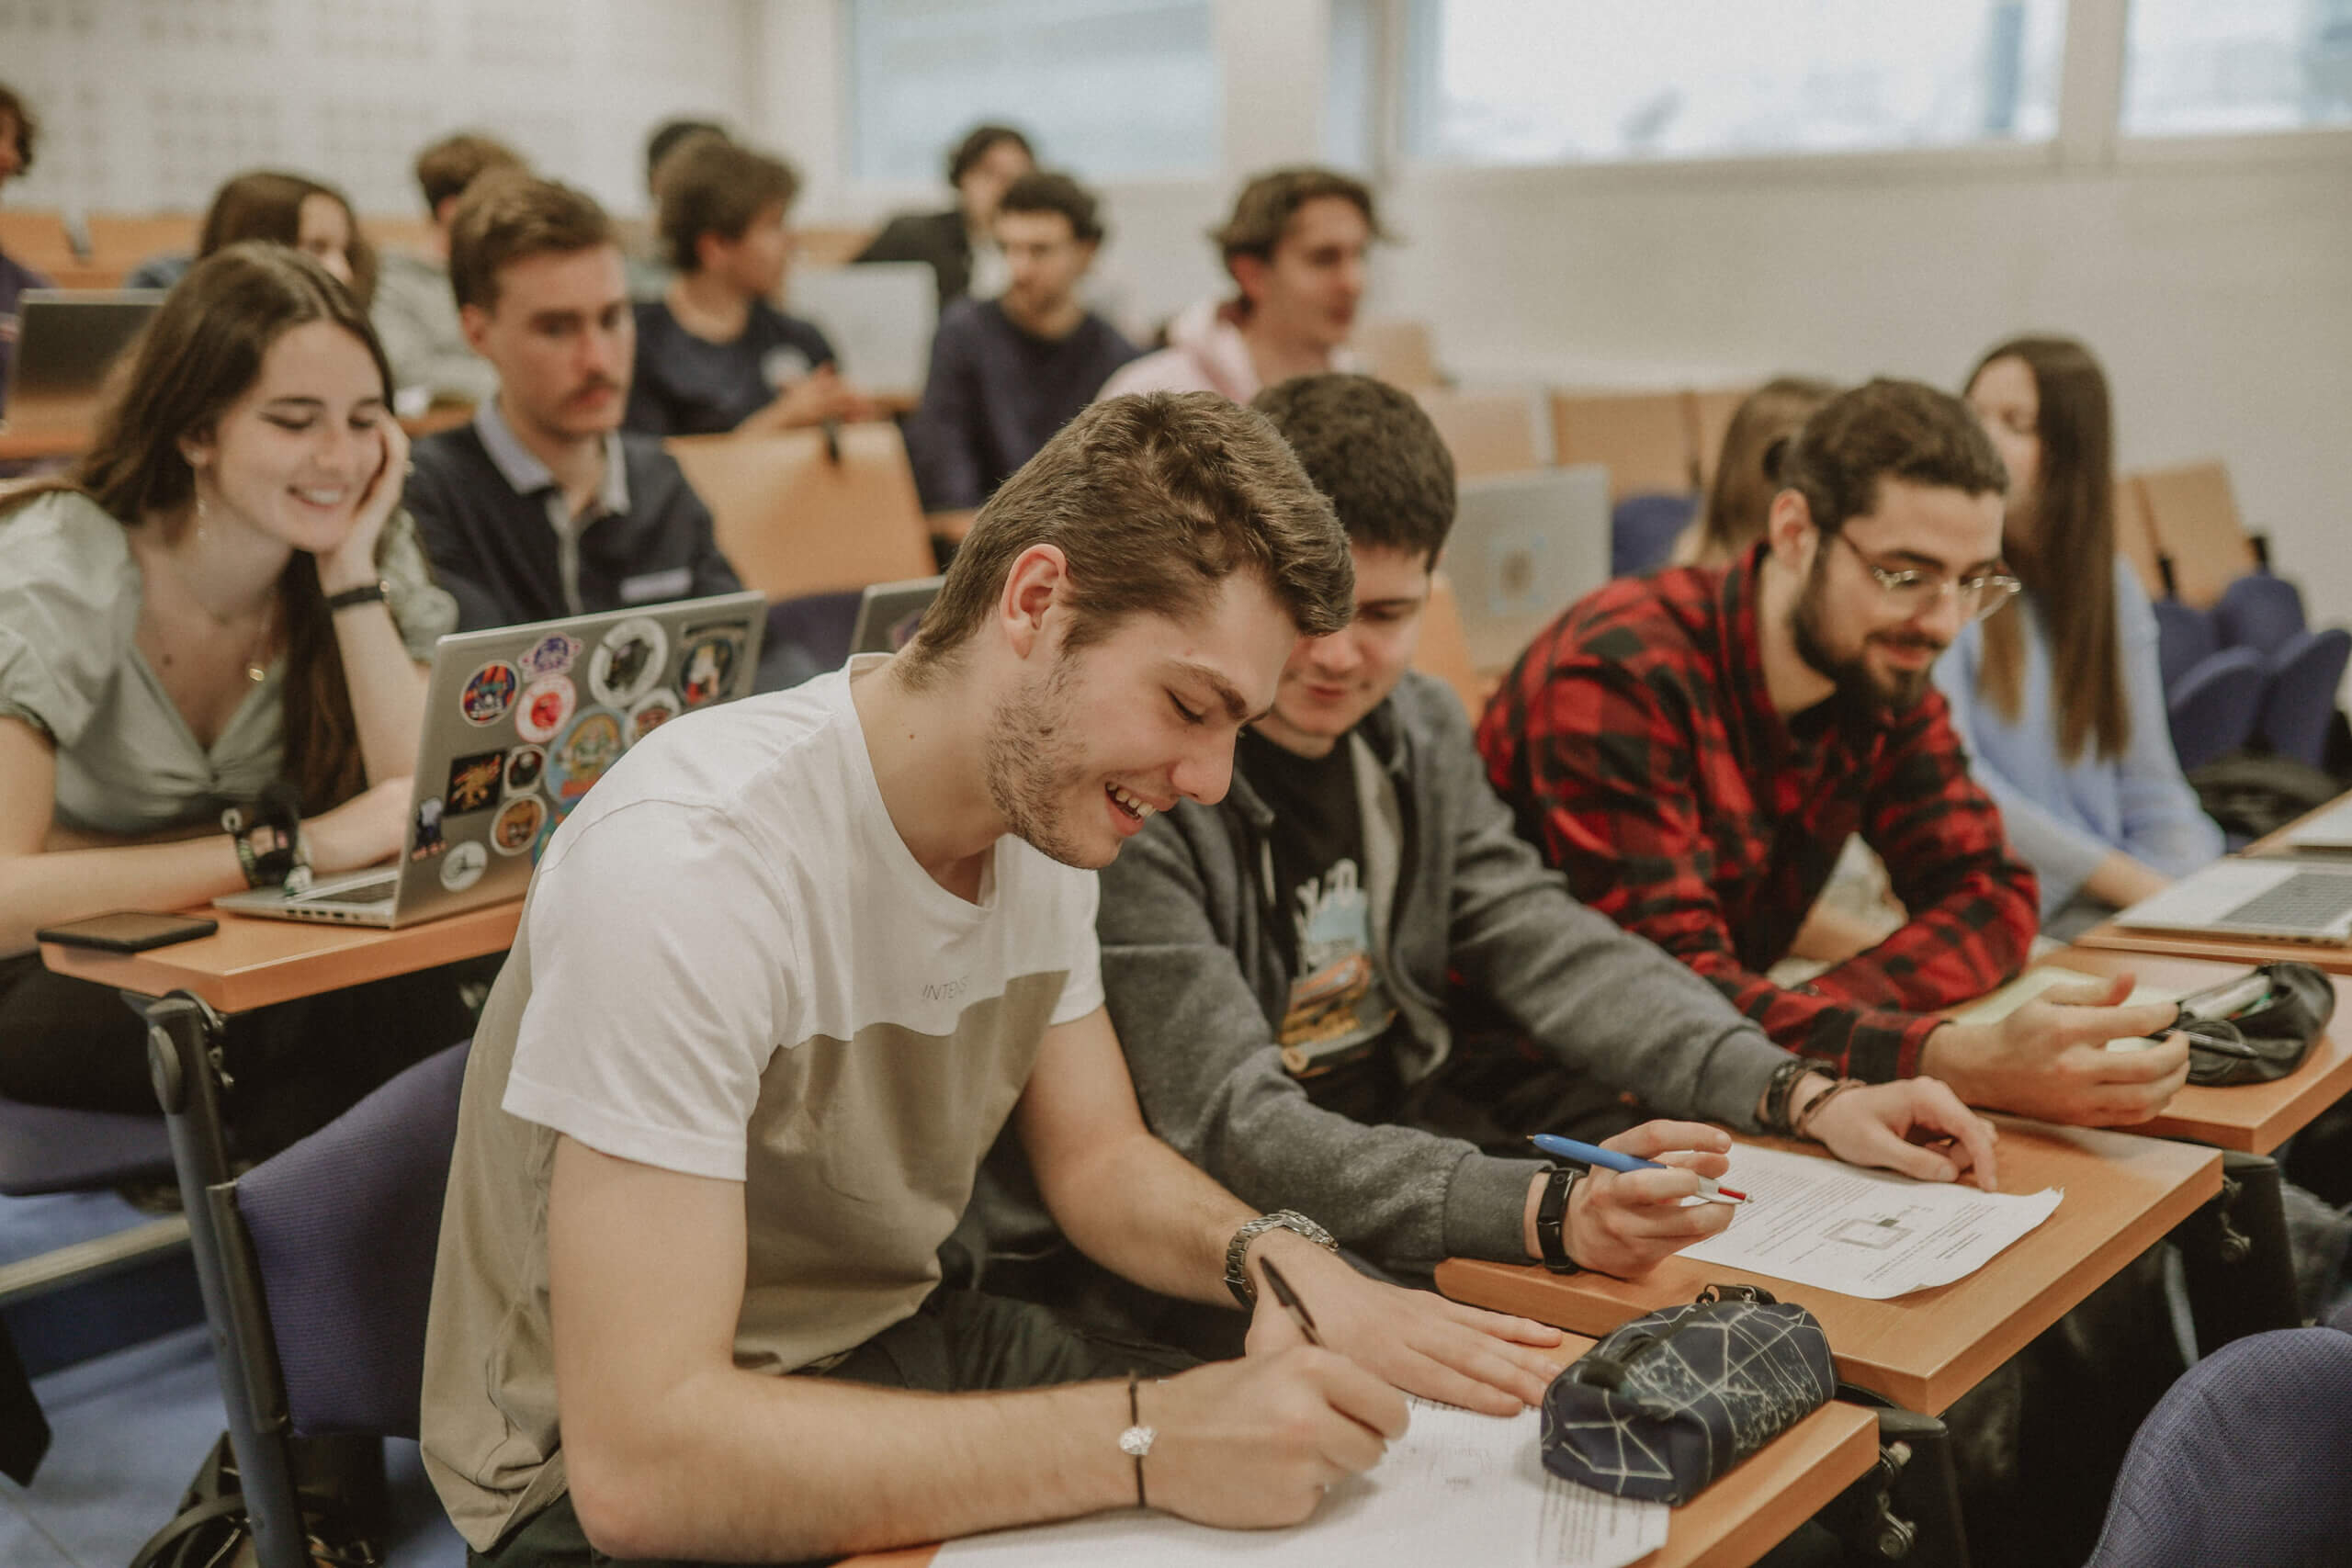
(1732,514)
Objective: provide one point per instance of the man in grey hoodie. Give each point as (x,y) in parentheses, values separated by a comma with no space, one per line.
(1290,970)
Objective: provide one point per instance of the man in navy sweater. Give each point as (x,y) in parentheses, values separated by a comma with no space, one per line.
(541,507)
(1007,373)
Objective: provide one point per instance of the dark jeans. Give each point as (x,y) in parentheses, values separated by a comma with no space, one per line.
(292,1067)
(957,1342)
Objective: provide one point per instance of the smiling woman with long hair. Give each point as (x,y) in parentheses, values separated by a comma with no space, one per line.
(2059,700)
(186,621)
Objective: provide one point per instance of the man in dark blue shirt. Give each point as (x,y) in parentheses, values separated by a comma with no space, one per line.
(712,354)
(541,507)
(1007,373)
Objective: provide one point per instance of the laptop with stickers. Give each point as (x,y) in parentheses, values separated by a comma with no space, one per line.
(519,721)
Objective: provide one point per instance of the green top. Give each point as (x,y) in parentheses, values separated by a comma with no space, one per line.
(127,762)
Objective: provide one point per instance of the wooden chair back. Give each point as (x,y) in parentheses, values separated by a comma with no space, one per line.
(830,245)
(1399,353)
(1489,432)
(796,520)
(36,237)
(2196,523)
(123,240)
(1709,409)
(2136,534)
(1642,438)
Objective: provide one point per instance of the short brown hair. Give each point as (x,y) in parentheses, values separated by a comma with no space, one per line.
(1374,453)
(1887,430)
(27,126)
(502,219)
(450,165)
(713,186)
(1268,203)
(1154,500)
(1050,190)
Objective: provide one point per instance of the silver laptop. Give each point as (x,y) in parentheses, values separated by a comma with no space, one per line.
(519,721)
(66,342)
(1525,546)
(889,613)
(2279,900)
(2330,830)
(880,317)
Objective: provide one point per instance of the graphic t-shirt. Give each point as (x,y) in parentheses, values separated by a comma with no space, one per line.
(1334,1031)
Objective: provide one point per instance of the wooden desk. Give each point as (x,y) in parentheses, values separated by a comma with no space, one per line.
(1732,1523)
(251,962)
(2251,1117)
(1925,1349)
(25,441)
(2108,937)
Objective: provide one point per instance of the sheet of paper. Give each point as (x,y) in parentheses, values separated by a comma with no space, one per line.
(1458,1487)
(1862,1233)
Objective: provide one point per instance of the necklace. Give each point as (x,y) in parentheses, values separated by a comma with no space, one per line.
(255,668)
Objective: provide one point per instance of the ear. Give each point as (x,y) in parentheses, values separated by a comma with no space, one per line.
(475,323)
(196,447)
(1790,529)
(1038,581)
(1248,276)
(443,210)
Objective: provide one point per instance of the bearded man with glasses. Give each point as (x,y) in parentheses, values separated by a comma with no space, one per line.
(1693,749)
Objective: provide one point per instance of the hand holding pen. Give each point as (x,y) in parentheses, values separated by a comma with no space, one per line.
(1630,1210)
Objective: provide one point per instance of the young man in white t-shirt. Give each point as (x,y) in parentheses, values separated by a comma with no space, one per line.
(783,976)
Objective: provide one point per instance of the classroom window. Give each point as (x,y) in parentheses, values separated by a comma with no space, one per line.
(2192,68)
(1108,88)
(1571,81)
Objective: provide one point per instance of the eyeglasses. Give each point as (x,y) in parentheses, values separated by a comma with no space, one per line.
(1910,594)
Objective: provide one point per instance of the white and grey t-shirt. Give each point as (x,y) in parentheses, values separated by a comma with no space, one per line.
(731,967)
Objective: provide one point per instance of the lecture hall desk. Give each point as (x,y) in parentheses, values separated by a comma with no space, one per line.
(1925,1349)
(1729,1525)
(2336,960)
(2249,1118)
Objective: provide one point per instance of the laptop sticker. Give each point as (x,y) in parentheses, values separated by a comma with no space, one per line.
(627,661)
(709,665)
(463,866)
(424,839)
(552,655)
(652,710)
(489,692)
(473,782)
(525,765)
(581,758)
(518,824)
(545,707)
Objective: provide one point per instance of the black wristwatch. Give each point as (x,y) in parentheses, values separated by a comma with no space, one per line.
(1551,1217)
(366,593)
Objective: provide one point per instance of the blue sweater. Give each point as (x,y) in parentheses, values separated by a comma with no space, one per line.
(995,395)
(2065,818)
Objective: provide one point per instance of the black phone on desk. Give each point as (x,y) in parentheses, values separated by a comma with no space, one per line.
(128,931)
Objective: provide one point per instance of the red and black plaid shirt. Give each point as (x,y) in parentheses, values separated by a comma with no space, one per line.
(1637,743)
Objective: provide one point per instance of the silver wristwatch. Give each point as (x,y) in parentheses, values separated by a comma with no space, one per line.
(1237,1251)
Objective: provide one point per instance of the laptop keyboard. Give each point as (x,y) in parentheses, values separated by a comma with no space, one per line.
(2305,901)
(374,890)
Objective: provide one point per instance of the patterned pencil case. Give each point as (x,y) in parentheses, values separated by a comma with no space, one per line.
(2258,1028)
(1671,1402)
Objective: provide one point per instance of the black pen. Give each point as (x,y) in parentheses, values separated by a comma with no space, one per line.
(1291,1303)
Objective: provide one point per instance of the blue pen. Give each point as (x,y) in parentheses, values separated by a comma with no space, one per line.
(1610,1159)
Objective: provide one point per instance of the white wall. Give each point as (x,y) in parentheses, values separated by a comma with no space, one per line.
(150,104)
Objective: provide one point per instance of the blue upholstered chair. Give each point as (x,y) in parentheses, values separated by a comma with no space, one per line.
(2243,1462)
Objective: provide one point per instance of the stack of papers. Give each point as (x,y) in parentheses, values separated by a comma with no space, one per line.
(1458,1487)
(1862,1233)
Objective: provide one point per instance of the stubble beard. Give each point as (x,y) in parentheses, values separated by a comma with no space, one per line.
(1029,760)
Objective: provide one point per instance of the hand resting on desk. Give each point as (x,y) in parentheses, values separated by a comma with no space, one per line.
(1885,1125)
(2050,1059)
